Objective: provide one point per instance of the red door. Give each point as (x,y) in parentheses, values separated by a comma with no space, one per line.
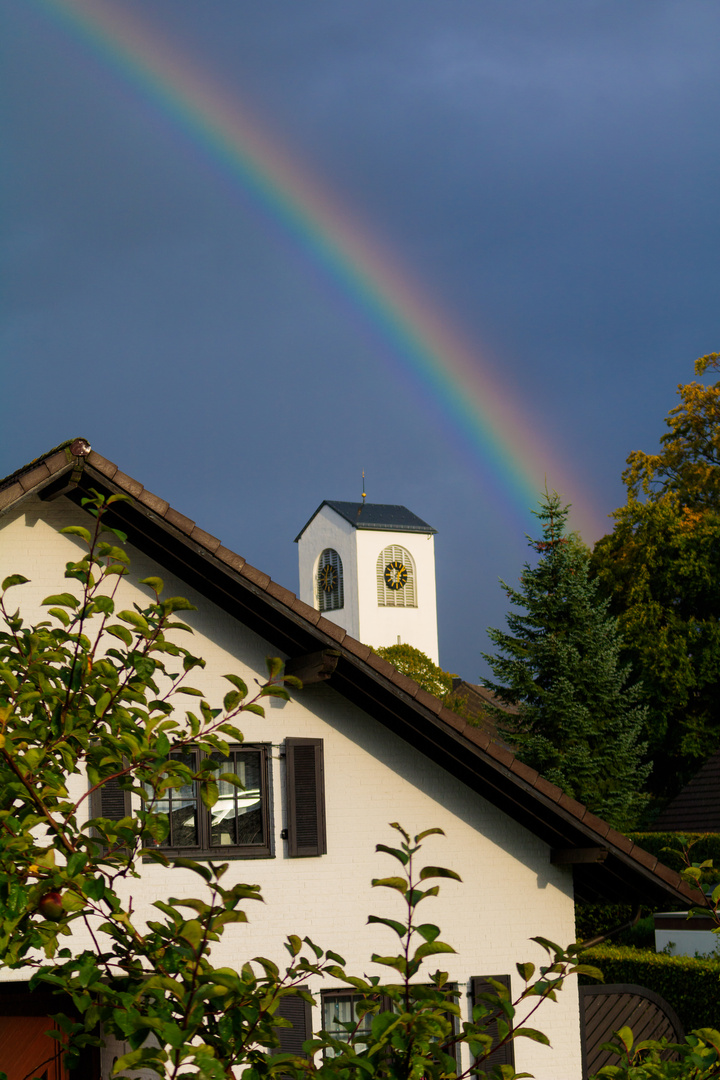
(26,1051)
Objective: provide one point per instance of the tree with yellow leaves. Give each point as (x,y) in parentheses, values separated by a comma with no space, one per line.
(661,569)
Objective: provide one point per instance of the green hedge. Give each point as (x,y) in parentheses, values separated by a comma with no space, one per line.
(704,846)
(691,986)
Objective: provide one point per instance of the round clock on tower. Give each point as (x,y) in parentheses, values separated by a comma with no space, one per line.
(370,568)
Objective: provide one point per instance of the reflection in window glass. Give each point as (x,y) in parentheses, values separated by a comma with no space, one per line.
(338,1009)
(180,805)
(236,818)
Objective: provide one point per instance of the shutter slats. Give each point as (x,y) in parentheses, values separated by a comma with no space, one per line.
(404,597)
(503,1055)
(299,1013)
(305,797)
(333,600)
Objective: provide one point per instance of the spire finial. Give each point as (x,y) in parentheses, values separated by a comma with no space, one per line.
(363,486)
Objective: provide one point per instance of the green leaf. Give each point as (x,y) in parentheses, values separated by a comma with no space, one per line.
(275,666)
(155,583)
(626,1037)
(438,871)
(401,856)
(196,867)
(14,579)
(77,530)
(237,683)
(428,931)
(428,832)
(65,599)
(188,690)
(136,620)
(60,614)
(399,928)
(398,883)
(430,948)
(526,971)
(102,704)
(532,1033)
(177,603)
(209,793)
(121,632)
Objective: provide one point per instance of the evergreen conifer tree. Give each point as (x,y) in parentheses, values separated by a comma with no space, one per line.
(577,722)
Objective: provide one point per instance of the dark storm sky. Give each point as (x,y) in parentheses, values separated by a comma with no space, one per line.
(548,171)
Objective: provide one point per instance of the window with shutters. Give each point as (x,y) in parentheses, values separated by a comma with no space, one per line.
(238,825)
(396,584)
(479,985)
(305,777)
(329,588)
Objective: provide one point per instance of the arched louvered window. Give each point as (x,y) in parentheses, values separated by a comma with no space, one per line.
(396,578)
(329,594)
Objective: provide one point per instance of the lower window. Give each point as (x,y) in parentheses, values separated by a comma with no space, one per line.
(237,826)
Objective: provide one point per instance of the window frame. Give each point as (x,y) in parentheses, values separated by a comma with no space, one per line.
(335,599)
(204,849)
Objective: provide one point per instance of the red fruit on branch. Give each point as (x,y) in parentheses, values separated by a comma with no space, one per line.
(51,906)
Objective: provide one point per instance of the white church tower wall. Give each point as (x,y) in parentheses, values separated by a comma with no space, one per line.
(370,568)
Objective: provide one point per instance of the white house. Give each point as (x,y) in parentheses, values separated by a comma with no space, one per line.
(377,749)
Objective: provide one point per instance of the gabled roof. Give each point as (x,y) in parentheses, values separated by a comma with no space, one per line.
(575,835)
(384,517)
(697,807)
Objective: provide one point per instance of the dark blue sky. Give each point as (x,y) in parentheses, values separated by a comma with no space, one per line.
(547,170)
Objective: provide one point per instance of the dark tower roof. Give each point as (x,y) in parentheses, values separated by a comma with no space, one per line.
(384,517)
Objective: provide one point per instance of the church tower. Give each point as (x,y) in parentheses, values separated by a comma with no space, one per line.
(370,568)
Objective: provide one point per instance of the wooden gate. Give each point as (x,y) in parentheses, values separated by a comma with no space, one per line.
(604,1009)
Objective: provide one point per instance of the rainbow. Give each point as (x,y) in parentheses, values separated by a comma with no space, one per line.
(504,443)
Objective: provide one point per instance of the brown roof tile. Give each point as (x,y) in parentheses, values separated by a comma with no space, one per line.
(337,633)
(619,841)
(153,502)
(307,612)
(428,700)
(645,857)
(10,494)
(133,487)
(255,575)
(36,476)
(280,593)
(184,524)
(205,539)
(596,824)
(56,462)
(500,753)
(107,468)
(524,771)
(356,647)
(404,682)
(453,720)
(235,562)
(552,791)
(380,665)
(576,808)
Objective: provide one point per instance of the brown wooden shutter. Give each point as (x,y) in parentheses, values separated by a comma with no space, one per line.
(299,1013)
(305,797)
(110,801)
(504,1055)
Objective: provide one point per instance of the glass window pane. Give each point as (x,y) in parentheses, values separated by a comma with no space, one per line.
(237,818)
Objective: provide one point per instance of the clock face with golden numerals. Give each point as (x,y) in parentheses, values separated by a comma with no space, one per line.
(395,575)
(327,578)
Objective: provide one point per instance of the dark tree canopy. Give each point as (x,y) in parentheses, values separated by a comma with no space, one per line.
(559,663)
(660,568)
